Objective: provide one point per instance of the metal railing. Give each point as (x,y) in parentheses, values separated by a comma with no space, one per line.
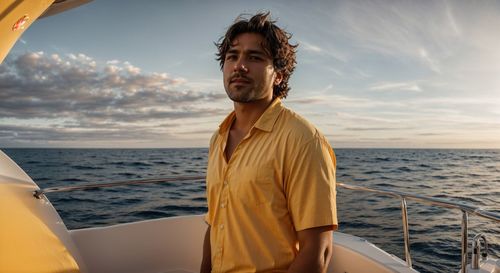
(466,209)
(38,193)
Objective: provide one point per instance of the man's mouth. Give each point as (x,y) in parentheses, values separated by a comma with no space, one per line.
(239,80)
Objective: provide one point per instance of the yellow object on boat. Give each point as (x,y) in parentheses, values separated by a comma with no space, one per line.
(27,244)
(15,17)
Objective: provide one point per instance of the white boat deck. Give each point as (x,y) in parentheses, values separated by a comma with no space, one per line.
(176,243)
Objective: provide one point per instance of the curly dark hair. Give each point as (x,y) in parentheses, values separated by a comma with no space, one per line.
(276,41)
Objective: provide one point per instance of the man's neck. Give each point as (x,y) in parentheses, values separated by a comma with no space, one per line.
(248,113)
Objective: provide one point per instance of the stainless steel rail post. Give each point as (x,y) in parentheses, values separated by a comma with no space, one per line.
(406,233)
(464,240)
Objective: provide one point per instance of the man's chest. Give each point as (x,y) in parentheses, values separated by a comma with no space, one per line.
(233,139)
(253,175)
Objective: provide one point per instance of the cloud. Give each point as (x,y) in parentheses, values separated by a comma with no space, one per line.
(329,52)
(427,32)
(377,128)
(105,100)
(196,132)
(431,134)
(34,85)
(308,101)
(310,47)
(433,34)
(395,86)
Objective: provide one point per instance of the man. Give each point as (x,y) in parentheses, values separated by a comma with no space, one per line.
(271,174)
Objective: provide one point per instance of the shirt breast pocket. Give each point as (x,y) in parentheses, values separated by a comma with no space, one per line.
(255,185)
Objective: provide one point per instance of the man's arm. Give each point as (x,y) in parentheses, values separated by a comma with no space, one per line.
(315,250)
(206,263)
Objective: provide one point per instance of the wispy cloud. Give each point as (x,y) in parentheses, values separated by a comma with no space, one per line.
(427,32)
(396,86)
(310,47)
(323,52)
(377,128)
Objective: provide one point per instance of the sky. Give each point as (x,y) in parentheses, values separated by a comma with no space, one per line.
(143,74)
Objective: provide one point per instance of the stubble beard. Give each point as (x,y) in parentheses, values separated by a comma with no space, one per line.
(241,95)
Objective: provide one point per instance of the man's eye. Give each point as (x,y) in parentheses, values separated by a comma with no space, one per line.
(230,57)
(255,58)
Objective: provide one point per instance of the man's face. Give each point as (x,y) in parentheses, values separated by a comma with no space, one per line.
(249,73)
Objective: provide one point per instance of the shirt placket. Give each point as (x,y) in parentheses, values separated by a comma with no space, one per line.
(220,224)
(224,201)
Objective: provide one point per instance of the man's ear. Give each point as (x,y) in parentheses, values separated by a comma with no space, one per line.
(278,78)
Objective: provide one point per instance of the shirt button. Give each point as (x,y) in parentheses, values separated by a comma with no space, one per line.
(225,183)
(223,205)
(221,226)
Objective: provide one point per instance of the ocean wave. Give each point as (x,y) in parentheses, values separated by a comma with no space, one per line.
(404,169)
(72,180)
(162,162)
(131,164)
(151,214)
(79,167)
(183,208)
(33,162)
(359,225)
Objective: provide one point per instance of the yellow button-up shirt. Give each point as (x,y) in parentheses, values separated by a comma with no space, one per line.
(279,180)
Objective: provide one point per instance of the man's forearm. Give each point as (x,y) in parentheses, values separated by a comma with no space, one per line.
(206,263)
(311,260)
(315,250)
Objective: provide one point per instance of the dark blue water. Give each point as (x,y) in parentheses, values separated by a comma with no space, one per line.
(466,176)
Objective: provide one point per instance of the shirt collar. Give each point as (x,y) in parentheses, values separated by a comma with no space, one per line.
(226,124)
(268,119)
(265,122)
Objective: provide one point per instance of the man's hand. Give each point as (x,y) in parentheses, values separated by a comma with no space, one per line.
(315,250)
(206,263)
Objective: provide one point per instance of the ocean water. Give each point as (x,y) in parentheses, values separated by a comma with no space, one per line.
(464,176)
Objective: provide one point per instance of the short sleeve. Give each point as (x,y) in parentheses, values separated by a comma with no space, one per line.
(310,185)
(208,216)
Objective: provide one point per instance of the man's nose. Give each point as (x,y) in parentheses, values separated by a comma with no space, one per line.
(240,66)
